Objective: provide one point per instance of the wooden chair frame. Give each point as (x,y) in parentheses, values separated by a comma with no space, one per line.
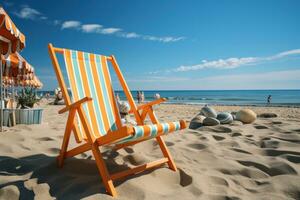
(92,143)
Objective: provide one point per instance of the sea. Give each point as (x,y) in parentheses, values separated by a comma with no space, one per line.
(220,97)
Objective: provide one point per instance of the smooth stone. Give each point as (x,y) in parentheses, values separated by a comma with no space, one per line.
(209,112)
(246,116)
(210,121)
(225,118)
(10,192)
(197,122)
(267,115)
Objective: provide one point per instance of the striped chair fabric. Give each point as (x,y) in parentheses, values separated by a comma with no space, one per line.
(89,76)
(150,131)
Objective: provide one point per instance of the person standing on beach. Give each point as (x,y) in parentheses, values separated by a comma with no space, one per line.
(138,96)
(47,95)
(142,97)
(269,99)
(118,97)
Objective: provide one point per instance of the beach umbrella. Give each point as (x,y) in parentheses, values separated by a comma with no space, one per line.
(16,66)
(18,72)
(11,40)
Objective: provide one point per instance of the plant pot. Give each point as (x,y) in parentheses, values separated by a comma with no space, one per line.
(29,116)
(9,117)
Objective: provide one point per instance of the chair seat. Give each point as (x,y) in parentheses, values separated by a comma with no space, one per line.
(151,131)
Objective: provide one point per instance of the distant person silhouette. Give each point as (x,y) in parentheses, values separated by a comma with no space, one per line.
(142,97)
(269,99)
(138,96)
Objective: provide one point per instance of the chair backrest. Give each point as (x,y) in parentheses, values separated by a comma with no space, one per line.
(89,76)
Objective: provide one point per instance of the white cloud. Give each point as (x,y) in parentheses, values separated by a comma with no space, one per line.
(163,39)
(71,24)
(110,30)
(231,63)
(130,35)
(91,28)
(286,79)
(150,37)
(99,29)
(283,54)
(29,13)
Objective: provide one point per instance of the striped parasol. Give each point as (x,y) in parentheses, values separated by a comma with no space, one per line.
(11,39)
(18,72)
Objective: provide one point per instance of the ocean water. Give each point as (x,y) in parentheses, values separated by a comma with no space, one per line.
(223,97)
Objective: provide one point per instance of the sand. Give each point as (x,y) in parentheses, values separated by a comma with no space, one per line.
(253,161)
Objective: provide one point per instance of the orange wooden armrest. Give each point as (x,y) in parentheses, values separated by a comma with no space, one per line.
(158,101)
(75,104)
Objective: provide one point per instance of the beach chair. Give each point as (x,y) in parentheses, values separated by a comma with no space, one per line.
(94,118)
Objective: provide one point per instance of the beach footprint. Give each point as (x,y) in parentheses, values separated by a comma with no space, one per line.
(197,146)
(260,127)
(218,138)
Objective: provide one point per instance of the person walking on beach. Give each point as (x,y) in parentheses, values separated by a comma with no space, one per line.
(269,99)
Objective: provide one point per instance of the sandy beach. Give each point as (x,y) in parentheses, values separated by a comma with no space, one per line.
(237,161)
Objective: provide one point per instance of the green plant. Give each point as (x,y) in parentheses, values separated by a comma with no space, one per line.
(27,99)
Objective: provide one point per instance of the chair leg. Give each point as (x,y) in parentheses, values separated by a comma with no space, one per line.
(166,153)
(162,143)
(64,146)
(106,179)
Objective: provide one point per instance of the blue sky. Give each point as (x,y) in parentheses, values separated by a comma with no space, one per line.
(171,44)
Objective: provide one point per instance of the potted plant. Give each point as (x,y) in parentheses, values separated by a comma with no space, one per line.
(25,112)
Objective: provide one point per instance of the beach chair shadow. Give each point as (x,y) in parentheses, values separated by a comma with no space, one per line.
(66,183)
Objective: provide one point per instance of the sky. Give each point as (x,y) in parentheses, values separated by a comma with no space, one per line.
(170,44)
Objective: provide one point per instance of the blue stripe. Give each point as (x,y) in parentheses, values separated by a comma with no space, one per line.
(165,128)
(154,130)
(94,93)
(139,131)
(105,95)
(177,125)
